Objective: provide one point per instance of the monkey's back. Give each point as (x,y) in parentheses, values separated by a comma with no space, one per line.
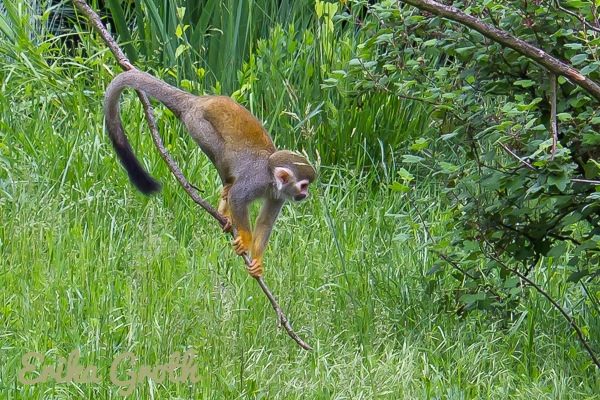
(239,129)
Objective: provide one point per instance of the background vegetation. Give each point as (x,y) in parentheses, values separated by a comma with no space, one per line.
(400,270)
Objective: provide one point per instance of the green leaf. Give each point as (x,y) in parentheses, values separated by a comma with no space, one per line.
(386,37)
(515,291)
(525,83)
(471,246)
(558,250)
(492,180)
(401,237)
(436,268)
(419,144)
(180,49)
(574,218)
(578,59)
(447,167)
(410,159)
(472,298)
(564,117)
(588,69)
(465,50)
(574,46)
(180,12)
(511,282)
(591,139)
(405,175)
(450,135)
(578,275)
(560,181)
(399,187)
(575,3)
(587,245)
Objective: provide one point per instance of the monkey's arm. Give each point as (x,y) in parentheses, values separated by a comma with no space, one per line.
(262,230)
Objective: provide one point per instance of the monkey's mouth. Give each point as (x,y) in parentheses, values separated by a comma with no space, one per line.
(300,197)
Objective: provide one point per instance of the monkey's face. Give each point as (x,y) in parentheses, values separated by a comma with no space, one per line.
(292,174)
(289,186)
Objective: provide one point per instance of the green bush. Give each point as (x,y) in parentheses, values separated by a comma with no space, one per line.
(516,204)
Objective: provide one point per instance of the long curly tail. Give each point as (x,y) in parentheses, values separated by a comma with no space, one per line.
(170,96)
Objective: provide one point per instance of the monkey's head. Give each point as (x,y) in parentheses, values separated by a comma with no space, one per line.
(292,173)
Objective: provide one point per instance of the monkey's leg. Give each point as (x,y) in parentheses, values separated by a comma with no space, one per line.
(224,207)
(238,206)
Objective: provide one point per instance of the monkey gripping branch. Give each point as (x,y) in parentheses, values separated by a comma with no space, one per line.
(292,173)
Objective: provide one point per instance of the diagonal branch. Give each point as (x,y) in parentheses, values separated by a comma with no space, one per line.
(550,63)
(190,189)
(531,167)
(565,314)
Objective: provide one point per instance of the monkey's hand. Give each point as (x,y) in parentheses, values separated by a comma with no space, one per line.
(228,225)
(255,269)
(242,242)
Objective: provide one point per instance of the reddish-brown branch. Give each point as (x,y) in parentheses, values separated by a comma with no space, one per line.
(189,189)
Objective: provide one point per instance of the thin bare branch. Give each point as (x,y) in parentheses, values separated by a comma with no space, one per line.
(565,314)
(590,181)
(189,189)
(553,124)
(531,167)
(522,160)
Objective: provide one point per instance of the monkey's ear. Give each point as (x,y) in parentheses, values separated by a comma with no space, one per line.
(282,176)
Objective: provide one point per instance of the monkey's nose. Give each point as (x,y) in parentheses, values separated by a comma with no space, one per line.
(300,197)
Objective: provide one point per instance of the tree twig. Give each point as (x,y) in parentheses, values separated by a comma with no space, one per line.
(553,125)
(190,189)
(522,160)
(444,257)
(590,181)
(565,314)
(531,167)
(579,17)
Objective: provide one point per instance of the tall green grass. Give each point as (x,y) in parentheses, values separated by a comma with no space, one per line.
(215,36)
(87,263)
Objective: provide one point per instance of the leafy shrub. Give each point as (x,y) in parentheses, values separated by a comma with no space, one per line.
(518,202)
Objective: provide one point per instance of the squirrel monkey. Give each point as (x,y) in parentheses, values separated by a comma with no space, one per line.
(237,144)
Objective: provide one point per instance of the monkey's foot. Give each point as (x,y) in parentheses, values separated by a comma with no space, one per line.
(239,246)
(255,269)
